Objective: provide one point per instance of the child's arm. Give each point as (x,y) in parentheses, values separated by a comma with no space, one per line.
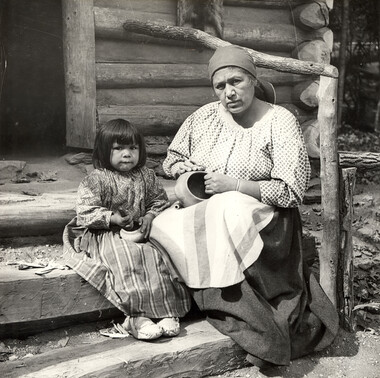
(157,199)
(91,209)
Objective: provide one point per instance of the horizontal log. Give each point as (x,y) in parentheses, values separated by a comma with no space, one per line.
(313,51)
(165,120)
(281,4)
(312,16)
(329,3)
(150,120)
(150,75)
(261,36)
(310,130)
(109,24)
(301,114)
(108,51)
(123,51)
(279,37)
(194,96)
(49,301)
(204,39)
(360,160)
(156,6)
(274,16)
(326,35)
(120,75)
(157,145)
(305,94)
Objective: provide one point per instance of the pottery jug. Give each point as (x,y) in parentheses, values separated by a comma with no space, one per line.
(190,188)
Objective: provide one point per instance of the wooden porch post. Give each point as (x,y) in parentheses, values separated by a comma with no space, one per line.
(80,81)
(327,119)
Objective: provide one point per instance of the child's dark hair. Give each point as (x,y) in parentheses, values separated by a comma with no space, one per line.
(120,131)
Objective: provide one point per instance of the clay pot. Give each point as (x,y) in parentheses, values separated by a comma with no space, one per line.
(190,188)
(133,235)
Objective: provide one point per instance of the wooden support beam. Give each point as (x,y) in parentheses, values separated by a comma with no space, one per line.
(79,63)
(345,273)
(330,244)
(261,59)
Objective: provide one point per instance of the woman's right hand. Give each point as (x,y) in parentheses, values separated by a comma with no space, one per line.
(125,222)
(189,165)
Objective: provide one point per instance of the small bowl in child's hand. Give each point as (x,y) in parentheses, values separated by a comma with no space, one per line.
(134,235)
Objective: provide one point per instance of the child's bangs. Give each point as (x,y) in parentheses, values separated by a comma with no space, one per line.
(127,136)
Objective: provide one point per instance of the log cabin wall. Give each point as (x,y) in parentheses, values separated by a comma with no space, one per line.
(157,83)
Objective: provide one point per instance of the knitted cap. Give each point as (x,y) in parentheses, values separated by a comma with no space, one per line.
(231,56)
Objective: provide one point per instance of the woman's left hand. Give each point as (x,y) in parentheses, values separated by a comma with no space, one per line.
(219,183)
(145,223)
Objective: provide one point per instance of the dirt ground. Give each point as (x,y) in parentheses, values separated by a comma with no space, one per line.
(355,354)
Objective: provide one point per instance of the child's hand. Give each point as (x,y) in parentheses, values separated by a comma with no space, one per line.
(125,222)
(146,224)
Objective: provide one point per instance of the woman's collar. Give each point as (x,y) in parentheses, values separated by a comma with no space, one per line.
(228,118)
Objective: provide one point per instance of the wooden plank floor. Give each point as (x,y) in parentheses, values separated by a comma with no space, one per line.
(199,350)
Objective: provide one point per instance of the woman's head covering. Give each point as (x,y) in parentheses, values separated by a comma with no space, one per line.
(231,56)
(235,56)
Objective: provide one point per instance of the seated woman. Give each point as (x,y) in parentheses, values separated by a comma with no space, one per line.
(240,251)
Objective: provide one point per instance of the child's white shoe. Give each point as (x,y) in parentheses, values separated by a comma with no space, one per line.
(142,328)
(170,327)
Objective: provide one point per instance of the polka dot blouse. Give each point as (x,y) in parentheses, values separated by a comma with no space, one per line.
(271,152)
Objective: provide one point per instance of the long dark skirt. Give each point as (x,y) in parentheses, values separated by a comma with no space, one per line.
(279,312)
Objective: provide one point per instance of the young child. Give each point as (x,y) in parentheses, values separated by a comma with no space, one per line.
(121,193)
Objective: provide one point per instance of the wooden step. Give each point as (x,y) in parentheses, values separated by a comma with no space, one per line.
(200,350)
(30,303)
